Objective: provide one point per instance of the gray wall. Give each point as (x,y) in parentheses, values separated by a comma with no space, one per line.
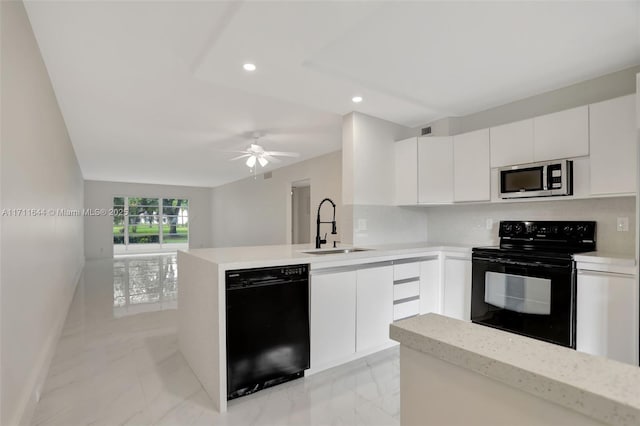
(42,256)
(466,223)
(99,229)
(590,91)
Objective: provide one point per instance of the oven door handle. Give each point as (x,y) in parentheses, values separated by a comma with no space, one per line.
(520,263)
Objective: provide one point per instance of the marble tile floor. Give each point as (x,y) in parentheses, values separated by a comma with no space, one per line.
(118,363)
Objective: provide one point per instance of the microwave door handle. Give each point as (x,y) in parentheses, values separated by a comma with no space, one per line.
(545,182)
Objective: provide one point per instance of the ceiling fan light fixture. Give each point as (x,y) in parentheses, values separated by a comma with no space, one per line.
(251,161)
(263,161)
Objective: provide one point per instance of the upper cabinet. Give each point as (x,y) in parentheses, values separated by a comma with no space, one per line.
(435,165)
(471,166)
(448,169)
(406,171)
(612,128)
(512,144)
(564,134)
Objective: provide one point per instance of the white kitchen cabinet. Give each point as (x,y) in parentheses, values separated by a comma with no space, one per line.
(406,171)
(332,317)
(563,134)
(435,169)
(374,308)
(430,286)
(612,132)
(471,166)
(457,288)
(607,315)
(512,144)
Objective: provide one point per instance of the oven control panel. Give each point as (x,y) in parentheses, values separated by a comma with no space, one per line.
(548,230)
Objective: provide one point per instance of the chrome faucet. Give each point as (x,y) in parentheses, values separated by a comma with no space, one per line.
(320,241)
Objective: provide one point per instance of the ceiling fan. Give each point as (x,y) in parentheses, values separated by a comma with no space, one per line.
(256,154)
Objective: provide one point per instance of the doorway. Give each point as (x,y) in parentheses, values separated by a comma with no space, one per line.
(301,212)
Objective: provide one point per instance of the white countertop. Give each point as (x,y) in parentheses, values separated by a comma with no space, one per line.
(287,254)
(272,255)
(621,259)
(597,387)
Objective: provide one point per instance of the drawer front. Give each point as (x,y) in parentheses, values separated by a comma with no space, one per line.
(406,309)
(403,271)
(404,290)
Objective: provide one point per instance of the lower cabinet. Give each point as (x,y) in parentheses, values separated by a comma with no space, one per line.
(374,306)
(607,315)
(457,288)
(333,317)
(430,286)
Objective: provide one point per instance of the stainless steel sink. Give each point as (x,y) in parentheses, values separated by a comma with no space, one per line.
(335,251)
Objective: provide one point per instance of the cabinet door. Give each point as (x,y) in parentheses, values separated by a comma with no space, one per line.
(471,166)
(435,169)
(563,134)
(607,316)
(430,294)
(512,144)
(457,288)
(374,308)
(406,171)
(333,317)
(612,132)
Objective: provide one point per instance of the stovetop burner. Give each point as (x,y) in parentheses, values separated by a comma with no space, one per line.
(554,238)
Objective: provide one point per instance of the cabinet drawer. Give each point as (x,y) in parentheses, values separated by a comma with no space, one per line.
(402,271)
(406,309)
(407,289)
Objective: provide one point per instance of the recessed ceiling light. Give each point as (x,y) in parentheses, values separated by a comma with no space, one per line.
(249,67)
(357,99)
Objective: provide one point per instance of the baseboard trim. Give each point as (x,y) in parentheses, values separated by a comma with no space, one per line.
(27,407)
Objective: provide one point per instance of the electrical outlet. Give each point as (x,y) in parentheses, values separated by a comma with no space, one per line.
(489,224)
(362,224)
(623,224)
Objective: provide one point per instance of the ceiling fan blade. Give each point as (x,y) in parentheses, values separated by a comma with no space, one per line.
(240,156)
(283,154)
(270,158)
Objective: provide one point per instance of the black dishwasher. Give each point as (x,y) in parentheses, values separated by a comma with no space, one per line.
(267,327)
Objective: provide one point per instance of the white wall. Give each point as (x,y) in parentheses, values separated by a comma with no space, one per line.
(258,211)
(466,223)
(608,86)
(368,154)
(368,189)
(98,239)
(41,256)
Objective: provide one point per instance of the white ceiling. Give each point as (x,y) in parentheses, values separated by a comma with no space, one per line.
(154,91)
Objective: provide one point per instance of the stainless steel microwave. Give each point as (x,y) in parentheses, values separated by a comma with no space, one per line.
(551,178)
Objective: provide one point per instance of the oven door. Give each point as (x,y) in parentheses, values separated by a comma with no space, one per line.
(535,298)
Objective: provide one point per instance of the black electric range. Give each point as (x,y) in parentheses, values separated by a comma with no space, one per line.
(527,284)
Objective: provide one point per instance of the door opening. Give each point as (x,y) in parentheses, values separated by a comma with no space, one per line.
(301,212)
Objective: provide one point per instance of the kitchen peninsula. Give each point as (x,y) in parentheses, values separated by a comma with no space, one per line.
(339,332)
(504,378)
(353,298)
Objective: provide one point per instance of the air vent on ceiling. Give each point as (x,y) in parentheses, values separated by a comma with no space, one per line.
(268,175)
(425,131)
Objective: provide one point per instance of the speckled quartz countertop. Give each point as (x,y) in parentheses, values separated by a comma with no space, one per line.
(605,390)
(287,254)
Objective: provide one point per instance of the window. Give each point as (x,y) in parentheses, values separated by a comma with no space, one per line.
(150,224)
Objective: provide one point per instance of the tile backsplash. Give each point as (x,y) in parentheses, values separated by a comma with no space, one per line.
(467,223)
